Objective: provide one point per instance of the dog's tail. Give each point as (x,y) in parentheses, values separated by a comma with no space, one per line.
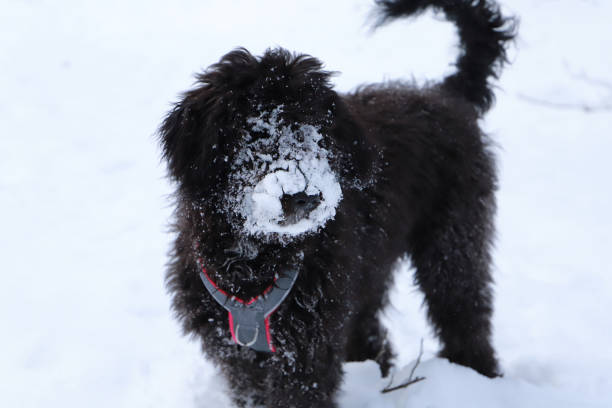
(484,34)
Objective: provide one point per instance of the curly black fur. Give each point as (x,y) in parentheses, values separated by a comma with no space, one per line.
(417,178)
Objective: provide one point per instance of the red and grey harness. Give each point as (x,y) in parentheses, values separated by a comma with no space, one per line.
(249,319)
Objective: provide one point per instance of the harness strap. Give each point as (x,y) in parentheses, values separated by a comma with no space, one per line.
(249,320)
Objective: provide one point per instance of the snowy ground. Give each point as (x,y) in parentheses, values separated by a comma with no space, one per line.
(84,207)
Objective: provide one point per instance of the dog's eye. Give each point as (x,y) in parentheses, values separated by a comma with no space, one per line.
(257,135)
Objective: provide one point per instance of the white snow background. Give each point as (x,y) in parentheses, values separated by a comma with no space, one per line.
(84,204)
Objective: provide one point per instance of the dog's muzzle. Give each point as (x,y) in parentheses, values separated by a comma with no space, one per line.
(298,206)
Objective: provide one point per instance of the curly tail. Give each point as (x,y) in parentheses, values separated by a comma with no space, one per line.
(484,34)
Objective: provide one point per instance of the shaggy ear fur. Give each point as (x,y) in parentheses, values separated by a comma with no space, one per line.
(195,128)
(179,141)
(190,134)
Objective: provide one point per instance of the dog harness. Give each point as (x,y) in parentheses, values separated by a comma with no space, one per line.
(249,319)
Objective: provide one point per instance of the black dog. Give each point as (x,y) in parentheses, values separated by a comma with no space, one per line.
(302,200)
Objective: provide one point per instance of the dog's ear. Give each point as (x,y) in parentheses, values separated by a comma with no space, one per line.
(193,132)
(187,136)
(175,133)
(356,159)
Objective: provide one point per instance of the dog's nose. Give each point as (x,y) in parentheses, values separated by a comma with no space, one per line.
(298,206)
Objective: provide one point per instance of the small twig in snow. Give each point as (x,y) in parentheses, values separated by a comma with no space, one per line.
(584,77)
(410,380)
(570,106)
(582,106)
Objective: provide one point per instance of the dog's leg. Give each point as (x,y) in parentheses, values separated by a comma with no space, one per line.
(285,379)
(246,379)
(452,260)
(368,341)
(303,379)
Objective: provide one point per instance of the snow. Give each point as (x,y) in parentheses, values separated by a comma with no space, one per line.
(450,385)
(293,162)
(84,203)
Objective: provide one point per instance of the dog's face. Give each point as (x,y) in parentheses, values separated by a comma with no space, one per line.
(281,184)
(263,152)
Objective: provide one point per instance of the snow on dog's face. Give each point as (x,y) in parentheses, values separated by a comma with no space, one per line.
(281,185)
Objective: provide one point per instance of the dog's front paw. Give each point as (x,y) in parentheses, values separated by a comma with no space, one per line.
(482,360)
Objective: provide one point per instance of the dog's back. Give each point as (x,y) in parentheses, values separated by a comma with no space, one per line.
(433,147)
(437,178)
